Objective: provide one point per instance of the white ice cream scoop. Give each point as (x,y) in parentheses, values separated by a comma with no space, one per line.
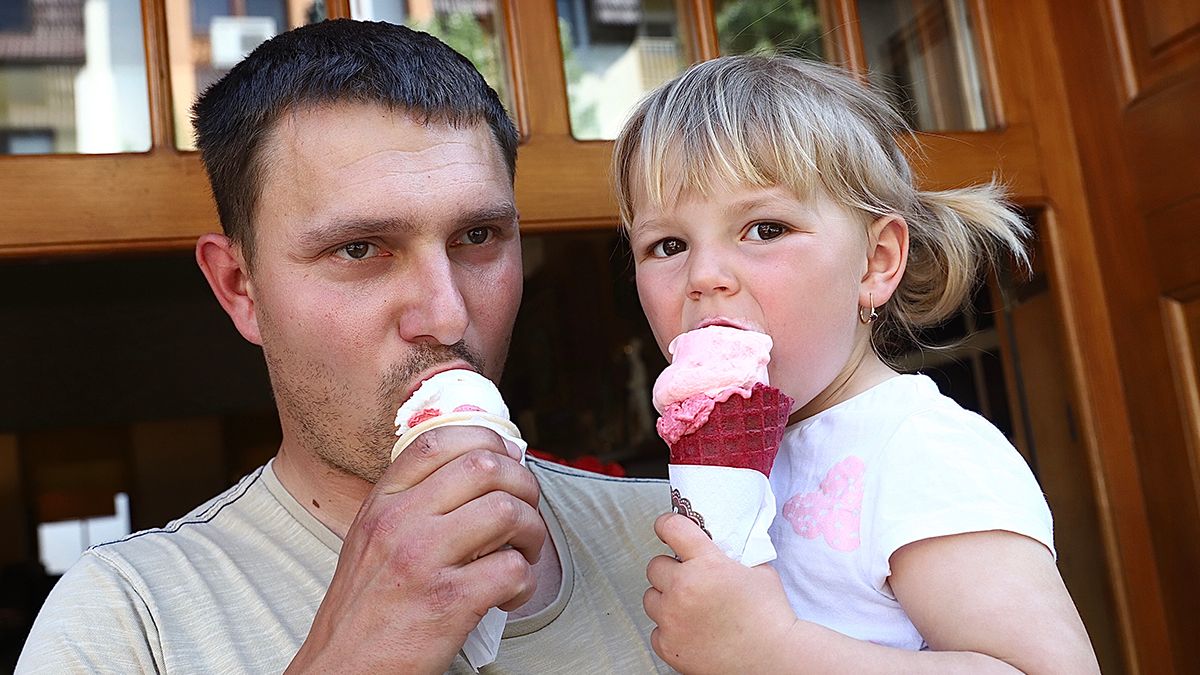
(456,398)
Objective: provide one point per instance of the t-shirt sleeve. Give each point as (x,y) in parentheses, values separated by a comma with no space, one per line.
(93,621)
(951,472)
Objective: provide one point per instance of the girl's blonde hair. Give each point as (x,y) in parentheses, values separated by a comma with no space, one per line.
(783,121)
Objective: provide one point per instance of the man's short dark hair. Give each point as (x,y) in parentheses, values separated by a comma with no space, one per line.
(340,61)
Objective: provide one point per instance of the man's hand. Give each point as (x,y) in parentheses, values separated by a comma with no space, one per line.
(714,615)
(450,530)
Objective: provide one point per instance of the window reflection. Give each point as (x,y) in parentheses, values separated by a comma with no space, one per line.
(474,28)
(924,53)
(207,37)
(614,52)
(795,27)
(72,77)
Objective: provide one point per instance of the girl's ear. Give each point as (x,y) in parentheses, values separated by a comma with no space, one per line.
(887,256)
(222,263)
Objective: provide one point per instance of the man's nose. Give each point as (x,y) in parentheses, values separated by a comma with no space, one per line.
(435,311)
(710,272)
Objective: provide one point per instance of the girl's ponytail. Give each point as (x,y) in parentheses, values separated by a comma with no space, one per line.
(955,236)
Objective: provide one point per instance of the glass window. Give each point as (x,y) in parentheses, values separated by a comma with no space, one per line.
(614,52)
(72,77)
(474,28)
(207,37)
(923,52)
(794,27)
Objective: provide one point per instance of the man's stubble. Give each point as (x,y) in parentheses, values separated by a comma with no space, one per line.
(314,399)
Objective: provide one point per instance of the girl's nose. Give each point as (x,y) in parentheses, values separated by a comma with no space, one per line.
(710,273)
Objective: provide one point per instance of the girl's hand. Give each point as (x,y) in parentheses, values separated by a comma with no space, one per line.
(714,614)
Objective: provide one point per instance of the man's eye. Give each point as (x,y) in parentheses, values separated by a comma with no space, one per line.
(358,250)
(475,236)
(668,247)
(765,231)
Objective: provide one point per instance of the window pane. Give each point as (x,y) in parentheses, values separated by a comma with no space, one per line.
(614,52)
(924,53)
(793,27)
(72,77)
(474,28)
(207,37)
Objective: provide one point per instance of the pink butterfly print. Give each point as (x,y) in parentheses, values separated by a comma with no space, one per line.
(833,511)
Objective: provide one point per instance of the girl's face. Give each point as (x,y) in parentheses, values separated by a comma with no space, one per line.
(764,260)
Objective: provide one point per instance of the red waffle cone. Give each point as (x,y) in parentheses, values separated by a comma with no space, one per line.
(740,432)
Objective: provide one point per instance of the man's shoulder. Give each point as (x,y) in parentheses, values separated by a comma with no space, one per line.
(592,503)
(215,519)
(555,477)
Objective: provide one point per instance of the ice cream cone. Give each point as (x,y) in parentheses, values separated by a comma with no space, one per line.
(740,432)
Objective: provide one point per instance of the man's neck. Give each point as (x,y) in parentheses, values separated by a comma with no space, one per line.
(332,497)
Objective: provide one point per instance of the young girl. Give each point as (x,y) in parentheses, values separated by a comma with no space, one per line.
(770,194)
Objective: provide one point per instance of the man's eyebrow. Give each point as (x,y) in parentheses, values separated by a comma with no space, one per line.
(349,229)
(341,230)
(491,214)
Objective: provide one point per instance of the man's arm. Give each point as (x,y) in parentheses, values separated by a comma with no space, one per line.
(450,530)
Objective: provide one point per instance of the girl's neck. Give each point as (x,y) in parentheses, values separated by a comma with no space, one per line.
(863,370)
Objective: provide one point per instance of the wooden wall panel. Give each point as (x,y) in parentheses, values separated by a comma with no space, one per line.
(1165,169)
(1158,40)
(1181,313)
(1131,144)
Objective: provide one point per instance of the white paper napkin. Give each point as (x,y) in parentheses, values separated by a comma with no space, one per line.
(483,643)
(734,506)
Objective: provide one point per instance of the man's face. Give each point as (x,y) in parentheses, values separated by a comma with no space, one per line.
(385,251)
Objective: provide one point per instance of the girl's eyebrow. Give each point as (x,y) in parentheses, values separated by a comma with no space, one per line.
(764,199)
(651,225)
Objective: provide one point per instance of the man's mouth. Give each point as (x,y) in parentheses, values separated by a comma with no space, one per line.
(440,368)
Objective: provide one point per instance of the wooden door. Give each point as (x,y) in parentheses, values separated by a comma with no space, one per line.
(1130,72)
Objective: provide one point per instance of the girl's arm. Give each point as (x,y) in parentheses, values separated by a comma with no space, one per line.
(1006,597)
(982,615)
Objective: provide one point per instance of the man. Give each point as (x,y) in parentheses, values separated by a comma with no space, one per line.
(364,178)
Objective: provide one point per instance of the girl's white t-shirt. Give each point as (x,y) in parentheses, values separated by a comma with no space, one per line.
(895,464)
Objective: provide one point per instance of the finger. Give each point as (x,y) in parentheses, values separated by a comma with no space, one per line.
(660,571)
(684,536)
(431,451)
(492,521)
(473,475)
(656,644)
(501,579)
(652,603)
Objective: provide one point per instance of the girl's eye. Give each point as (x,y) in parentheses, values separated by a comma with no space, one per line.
(358,250)
(765,231)
(475,236)
(668,247)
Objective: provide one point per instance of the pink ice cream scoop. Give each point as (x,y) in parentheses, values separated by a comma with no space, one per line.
(708,365)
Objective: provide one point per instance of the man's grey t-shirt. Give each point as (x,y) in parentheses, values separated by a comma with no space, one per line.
(234,585)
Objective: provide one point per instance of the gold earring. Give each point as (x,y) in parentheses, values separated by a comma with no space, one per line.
(867,315)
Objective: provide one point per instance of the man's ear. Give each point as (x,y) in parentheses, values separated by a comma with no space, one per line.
(222,263)
(887,257)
